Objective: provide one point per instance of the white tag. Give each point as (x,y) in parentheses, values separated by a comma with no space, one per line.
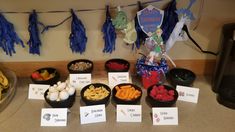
(36,91)
(129,113)
(165,116)
(80,80)
(92,114)
(54,117)
(188,94)
(116,78)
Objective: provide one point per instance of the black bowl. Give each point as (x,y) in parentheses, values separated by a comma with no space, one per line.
(95,102)
(121,65)
(87,70)
(158,103)
(181,76)
(121,101)
(61,104)
(50,81)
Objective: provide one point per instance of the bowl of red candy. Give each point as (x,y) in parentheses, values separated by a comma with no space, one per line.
(161,96)
(117,65)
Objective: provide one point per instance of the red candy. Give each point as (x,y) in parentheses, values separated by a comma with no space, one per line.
(116,66)
(161,93)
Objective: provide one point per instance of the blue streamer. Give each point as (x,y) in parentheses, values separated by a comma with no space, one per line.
(141,36)
(108,30)
(77,37)
(8,36)
(169,21)
(34,40)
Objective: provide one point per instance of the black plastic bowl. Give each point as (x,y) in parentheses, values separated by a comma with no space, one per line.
(61,104)
(158,103)
(88,70)
(121,101)
(181,76)
(51,81)
(120,62)
(95,102)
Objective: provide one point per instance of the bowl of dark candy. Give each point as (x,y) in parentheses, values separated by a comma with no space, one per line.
(181,76)
(80,66)
(117,65)
(126,93)
(95,93)
(46,75)
(60,95)
(161,96)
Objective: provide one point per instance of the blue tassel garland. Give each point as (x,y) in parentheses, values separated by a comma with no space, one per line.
(77,37)
(108,30)
(34,40)
(8,36)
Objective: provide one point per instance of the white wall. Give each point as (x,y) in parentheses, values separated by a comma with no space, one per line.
(55,42)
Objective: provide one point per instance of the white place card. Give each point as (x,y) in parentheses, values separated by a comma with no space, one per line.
(54,117)
(165,116)
(188,94)
(36,91)
(129,113)
(80,80)
(116,78)
(92,114)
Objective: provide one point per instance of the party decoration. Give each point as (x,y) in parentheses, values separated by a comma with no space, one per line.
(185,16)
(169,21)
(150,18)
(109,33)
(120,21)
(34,40)
(77,37)
(186,11)
(141,36)
(8,36)
(130,33)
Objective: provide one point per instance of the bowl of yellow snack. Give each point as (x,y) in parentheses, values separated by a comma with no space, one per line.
(126,93)
(95,93)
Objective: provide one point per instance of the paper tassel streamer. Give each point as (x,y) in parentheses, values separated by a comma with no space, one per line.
(109,33)
(169,21)
(77,37)
(141,36)
(34,41)
(8,36)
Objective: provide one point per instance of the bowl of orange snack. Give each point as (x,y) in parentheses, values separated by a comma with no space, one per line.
(126,93)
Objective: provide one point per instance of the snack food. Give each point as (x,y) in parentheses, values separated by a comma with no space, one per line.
(80,66)
(4,83)
(127,92)
(96,93)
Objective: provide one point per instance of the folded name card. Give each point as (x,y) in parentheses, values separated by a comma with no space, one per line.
(165,116)
(92,114)
(36,91)
(188,94)
(129,113)
(54,116)
(116,78)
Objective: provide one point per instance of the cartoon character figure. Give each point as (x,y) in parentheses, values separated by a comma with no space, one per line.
(157,49)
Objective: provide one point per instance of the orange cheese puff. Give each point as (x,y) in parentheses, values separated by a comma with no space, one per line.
(127,92)
(117,88)
(132,91)
(133,95)
(118,93)
(125,86)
